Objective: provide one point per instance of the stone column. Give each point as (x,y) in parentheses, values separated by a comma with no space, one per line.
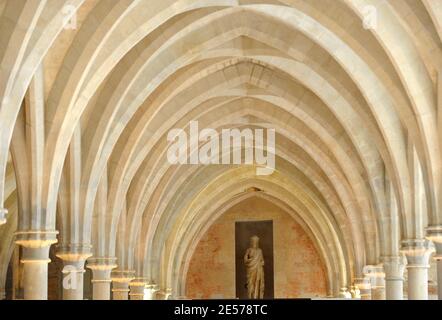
(344,293)
(74,258)
(377,280)
(435,235)
(418,255)
(3,213)
(101,276)
(137,286)
(168,294)
(394,268)
(164,294)
(364,286)
(150,293)
(355,292)
(120,283)
(35,259)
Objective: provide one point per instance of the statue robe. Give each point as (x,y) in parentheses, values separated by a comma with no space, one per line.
(254,262)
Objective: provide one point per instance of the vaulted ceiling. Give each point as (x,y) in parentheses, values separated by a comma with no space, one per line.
(90,90)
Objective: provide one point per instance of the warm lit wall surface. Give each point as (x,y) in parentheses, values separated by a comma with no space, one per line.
(299,272)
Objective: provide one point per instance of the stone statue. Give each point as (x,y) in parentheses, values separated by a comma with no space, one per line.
(254,262)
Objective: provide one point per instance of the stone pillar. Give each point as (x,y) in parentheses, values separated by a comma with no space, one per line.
(364,286)
(120,283)
(137,289)
(164,294)
(35,259)
(73,257)
(101,276)
(168,294)
(377,280)
(418,255)
(355,292)
(344,293)
(150,293)
(3,213)
(394,268)
(435,235)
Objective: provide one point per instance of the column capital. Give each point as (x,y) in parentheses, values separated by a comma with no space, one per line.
(102,263)
(394,268)
(3,214)
(417,252)
(137,286)
(438,248)
(101,268)
(164,294)
(374,271)
(355,292)
(434,233)
(123,276)
(344,293)
(73,254)
(363,283)
(36,238)
(36,245)
(139,282)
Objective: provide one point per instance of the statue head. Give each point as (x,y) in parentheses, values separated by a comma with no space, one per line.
(254,242)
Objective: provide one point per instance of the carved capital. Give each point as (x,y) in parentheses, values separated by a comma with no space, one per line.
(394,268)
(36,245)
(101,268)
(139,282)
(434,233)
(74,254)
(417,252)
(137,286)
(123,276)
(344,293)
(363,283)
(36,238)
(376,275)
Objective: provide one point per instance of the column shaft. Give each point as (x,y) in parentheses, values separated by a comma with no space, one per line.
(120,284)
(418,257)
(439,279)
(101,289)
(418,283)
(394,277)
(434,233)
(377,281)
(35,278)
(364,286)
(137,288)
(120,290)
(35,259)
(74,257)
(101,276)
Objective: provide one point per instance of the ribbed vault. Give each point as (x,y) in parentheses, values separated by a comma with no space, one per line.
(86,111)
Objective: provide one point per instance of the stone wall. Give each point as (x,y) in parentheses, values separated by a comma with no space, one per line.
(299,271)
